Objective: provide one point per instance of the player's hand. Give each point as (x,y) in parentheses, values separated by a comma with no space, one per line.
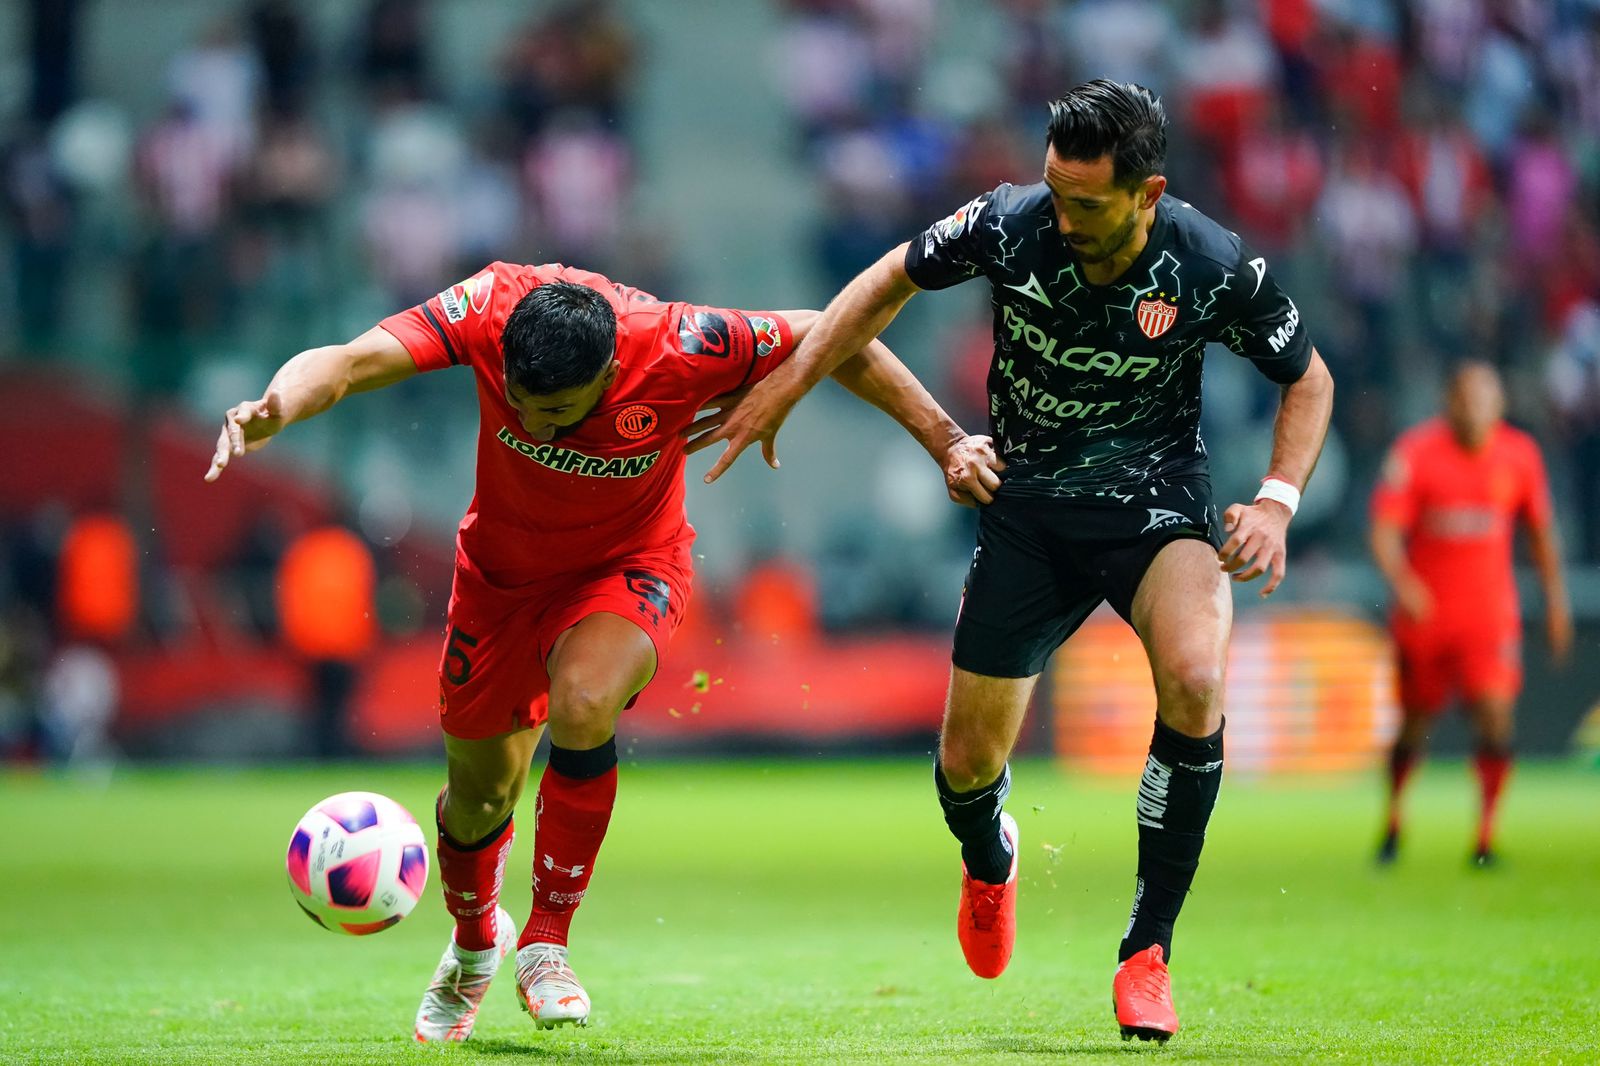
(247,428)
(756,417)
(1416,602)
(972,471)
(1257,542)
(720,407)
(1558,631)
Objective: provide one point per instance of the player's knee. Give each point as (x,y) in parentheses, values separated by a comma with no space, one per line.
(1191,696)
(582,716)
(1493,730)
(968,766)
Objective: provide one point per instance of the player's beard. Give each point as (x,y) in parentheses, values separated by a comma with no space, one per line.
(1100,251)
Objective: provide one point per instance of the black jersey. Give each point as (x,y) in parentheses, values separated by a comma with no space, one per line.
(1096,388)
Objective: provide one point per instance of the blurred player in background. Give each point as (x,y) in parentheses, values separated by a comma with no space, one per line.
(1444,518)
(572,563)
(1105,294)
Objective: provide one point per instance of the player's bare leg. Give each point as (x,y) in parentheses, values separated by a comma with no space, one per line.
(595,668)
(484,779)
(1410,744)
(1490,716)
(982,718)
(1183,613)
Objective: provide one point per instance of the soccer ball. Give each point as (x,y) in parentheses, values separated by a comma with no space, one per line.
(357,863)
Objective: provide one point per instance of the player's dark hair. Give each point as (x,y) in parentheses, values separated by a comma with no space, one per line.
(559,336)
(1120,119)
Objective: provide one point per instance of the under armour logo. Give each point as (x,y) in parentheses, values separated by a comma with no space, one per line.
(1160,519)
(570,871)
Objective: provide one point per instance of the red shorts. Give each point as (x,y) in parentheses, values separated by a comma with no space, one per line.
(492,673)
(1436,665)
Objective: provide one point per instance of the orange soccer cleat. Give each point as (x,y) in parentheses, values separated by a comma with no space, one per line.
(1141,994)
(986,924)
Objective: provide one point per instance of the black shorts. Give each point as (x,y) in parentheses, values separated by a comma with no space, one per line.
(1043,564)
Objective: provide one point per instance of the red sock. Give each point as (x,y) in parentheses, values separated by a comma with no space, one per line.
(1402,761)
(573,814)
(1494,766)
(471,875)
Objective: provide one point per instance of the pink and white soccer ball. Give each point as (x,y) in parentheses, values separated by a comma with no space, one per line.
(357,863)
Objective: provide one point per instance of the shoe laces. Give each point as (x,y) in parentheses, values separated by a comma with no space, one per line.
(547,960)
(459,986)
(984,904)
(1151,982)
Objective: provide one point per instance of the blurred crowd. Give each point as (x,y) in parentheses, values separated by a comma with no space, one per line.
(1424,175)
(290,180)
(284,166)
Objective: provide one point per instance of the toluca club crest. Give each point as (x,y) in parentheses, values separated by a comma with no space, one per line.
(1155,317)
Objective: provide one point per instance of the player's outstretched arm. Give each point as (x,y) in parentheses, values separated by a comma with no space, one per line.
(971,467)
(853,318)
(1258,532)
(307,385)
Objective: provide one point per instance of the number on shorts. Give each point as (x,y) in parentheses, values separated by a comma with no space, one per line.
(457,667)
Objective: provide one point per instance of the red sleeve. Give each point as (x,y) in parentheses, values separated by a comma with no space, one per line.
(1533,502)
(1394,499)
(449,328)
(725,349)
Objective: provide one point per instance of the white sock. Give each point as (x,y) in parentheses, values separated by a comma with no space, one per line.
(473,960)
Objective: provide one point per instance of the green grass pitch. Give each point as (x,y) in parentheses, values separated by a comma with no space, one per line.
(803,911)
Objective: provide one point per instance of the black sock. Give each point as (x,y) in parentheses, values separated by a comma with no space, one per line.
(583,763)
(1176,794)
(493,836)
(974,818)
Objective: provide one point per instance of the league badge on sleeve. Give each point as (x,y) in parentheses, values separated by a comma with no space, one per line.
(964,218)
(1156,316)
(470,295)
(768,337)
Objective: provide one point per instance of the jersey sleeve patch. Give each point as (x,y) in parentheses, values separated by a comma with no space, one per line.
(1266,328)
(951,250)
(467,297)
(709,333)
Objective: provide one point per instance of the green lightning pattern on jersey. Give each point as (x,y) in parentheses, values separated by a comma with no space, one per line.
(1097,389)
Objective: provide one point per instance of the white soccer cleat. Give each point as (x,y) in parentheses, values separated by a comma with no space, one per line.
(450,1005)
(548,989)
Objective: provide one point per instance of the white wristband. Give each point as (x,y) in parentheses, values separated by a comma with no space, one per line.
(1277,489)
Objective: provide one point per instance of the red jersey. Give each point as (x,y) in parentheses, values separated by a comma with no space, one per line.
(613,484)
(1458,510)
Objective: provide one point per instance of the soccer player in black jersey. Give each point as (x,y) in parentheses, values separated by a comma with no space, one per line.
(1093,485)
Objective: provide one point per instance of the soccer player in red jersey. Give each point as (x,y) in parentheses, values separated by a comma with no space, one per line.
(572,563)
(1443,522)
